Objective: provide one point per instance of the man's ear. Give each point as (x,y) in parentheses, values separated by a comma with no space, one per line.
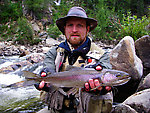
(88,29)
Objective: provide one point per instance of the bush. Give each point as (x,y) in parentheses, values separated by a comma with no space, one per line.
(133,26)
(25,32)
(10,11)
(36,7)
(53,31)
(102,15)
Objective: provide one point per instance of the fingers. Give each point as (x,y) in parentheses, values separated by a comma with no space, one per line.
(108,88)
(97,83)
(43,74)
(92,84)
(41,85)
(98,68)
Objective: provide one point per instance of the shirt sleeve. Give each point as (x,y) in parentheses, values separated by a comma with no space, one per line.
(105,60)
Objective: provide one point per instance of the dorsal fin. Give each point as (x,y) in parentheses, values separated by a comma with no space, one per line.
(29,74)
(70,68)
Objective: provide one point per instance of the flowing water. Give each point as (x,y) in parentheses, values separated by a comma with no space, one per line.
(17,100)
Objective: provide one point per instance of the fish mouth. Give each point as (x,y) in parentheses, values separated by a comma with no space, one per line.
(121,81)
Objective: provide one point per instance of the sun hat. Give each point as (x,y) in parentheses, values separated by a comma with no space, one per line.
(76,12)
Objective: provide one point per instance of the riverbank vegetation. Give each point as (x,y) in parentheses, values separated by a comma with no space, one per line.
(116,18)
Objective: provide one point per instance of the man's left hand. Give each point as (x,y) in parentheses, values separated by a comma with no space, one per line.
(93,83)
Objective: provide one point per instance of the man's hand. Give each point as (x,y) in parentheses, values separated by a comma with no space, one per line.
(97,67)
(93,83)
(42,85)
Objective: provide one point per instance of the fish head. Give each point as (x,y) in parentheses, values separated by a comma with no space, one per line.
(115,77)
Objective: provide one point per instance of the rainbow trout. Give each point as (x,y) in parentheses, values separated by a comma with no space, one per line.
(77,77)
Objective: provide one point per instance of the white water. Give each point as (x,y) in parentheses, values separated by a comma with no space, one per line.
(13,100)
(7,79)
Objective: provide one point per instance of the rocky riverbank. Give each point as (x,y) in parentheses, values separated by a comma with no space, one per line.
(128,55)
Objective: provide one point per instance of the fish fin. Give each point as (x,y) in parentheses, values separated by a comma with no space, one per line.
(21,84)
(73,68)
(28,74)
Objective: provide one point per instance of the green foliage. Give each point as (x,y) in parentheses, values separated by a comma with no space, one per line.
(25,32)
(10,11)
(102,15)
(37,7)
(53,31)
(111,23)
(132,26)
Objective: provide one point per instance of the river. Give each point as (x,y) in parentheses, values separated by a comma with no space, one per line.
(17,100)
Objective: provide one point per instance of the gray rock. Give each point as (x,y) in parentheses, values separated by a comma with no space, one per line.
(35,57)
(139,101)
(123,108)
(35,27)
(51,41)
(142,46)
(123,57)
(145,83)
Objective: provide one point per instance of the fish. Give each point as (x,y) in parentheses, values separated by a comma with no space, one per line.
(77,77)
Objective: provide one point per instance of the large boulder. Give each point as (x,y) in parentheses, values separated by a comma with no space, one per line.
(123,57)
(145,83)
(123,108)
(139,101)
(142,47)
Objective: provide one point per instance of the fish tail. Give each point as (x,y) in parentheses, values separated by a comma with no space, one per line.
(21,84)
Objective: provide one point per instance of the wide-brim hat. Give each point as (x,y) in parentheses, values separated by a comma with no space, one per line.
(79,13)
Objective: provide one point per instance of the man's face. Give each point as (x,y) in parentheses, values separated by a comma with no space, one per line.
(76,31)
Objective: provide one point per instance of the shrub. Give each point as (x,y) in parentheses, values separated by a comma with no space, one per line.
(10,11)
(25,32)
(53,31)
(133,26)
(36,7)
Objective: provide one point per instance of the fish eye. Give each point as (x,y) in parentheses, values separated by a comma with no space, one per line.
(118,75)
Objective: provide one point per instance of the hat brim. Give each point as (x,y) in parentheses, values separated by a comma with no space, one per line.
(61,22)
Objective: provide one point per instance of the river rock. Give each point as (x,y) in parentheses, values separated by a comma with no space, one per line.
(51,41)
(139,101)
(35,57)
(123,108)
(145,83)
(123,57)
(142,46)
(45,49)
(35,27)
(14,67)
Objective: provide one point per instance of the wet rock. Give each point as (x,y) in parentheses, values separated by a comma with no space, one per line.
(139,101)
(35,27)
(43,34)
(123,108)
(35,58)
(51,41)
(14,67)
(45,49)
(142,46)
(145,83)
(123,57)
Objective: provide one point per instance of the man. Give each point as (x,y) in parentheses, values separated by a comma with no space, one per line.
(77,50)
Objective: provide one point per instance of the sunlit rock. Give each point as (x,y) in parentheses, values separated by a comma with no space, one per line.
(145,83)
(139,101)
(142,47)
(123,108)
(123,57)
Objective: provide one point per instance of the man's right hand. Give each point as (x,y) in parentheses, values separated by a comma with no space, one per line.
(42,85)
